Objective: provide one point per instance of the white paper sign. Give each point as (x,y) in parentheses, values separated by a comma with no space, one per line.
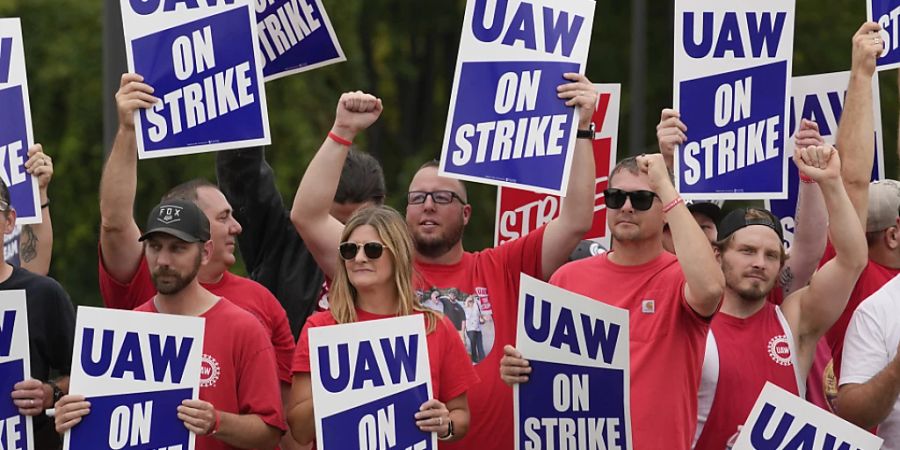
(781,420)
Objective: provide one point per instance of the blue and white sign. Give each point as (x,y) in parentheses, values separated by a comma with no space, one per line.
(732,69)
(135,368)
(11,246)
(15,366)
(820,98)
(295,36)
(506,125)
(578,393)
(15,132)
(200,58)
(369,380)
(886,13)
(781,420)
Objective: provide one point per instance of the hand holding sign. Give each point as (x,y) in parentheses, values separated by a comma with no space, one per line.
(356,111)
(199,416)
(867,45)
(434,417)
(670,133)
(581,94)
(39,165)
(28,396)
(69,411)
(514,368)
(133,94)
(820,163)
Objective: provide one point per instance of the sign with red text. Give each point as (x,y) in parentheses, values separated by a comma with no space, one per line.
(520,211)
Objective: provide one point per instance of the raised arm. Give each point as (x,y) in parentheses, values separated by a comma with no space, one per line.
(810,235)
(577,211)
(813,309)
(855,141)
(118,231)
(310,214)
(705,281)
(36,241)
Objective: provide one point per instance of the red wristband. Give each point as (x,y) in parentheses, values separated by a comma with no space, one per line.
(806,179)
(215,428)
(334,137)
(672,204)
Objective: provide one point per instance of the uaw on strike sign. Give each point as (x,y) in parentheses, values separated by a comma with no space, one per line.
(135,368)
(200,58)
(732,72)
(506,126)
(16,430)
(520,212)
(15,125)
(578,393)
(369,379)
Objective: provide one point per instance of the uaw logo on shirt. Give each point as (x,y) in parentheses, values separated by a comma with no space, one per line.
(780,350)
(209,371)
(169,214)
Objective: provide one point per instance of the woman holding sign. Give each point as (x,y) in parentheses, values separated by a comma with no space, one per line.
(375,282)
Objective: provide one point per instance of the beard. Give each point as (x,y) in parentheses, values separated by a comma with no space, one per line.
(434,246)
(750,290)
(180,281)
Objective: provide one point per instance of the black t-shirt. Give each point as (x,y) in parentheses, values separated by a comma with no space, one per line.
(51,332)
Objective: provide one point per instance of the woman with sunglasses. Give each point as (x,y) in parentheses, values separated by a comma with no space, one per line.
(374,281)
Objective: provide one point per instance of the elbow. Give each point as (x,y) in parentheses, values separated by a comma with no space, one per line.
(845,406)
(298,218)
(299,429)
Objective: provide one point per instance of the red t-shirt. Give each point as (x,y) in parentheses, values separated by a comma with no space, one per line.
(238,368)
(667,342)
(748,353)
(492,277)
(449,377)
(872,278)
(243,292)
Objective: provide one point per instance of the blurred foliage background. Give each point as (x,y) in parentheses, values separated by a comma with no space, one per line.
(401,50)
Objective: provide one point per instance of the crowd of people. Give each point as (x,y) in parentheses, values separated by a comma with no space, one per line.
(717,306)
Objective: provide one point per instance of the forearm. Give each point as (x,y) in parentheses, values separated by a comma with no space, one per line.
(319,184)
(705,282)
(62,383)
(576,213)
(810,237)
(302,422)
(849,237)
(118,183)
(460,418)
(36,244)
(855,142)
(246,431)
(869,403)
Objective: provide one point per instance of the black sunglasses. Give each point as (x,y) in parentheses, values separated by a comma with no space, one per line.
(349,250)
(640,200)
(439,197)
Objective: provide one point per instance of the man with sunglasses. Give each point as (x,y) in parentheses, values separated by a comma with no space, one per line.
(436,215)
(670,299)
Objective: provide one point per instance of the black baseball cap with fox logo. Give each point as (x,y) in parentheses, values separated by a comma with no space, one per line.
(179,218)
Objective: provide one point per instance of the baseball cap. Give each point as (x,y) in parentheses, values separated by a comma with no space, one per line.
(884,203)
(586,249)
(737,219)
(180,218)
(707,208)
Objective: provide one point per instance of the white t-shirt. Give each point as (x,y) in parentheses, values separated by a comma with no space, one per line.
(870,344)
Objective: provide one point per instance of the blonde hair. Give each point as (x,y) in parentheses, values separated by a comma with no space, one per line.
(391,228)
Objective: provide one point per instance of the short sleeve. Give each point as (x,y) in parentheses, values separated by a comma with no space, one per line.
(128,295)
(865,350)
(523,255)
(457,372)
(259,391)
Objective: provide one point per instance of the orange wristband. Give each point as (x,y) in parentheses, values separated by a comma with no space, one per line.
(334,137)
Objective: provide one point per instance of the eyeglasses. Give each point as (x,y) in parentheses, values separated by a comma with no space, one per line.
(372,250)
(439,197)
(640,200)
